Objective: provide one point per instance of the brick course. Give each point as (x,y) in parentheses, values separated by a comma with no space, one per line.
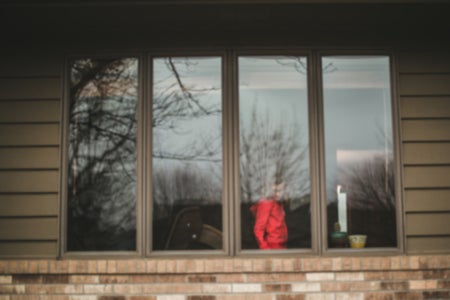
(260,278)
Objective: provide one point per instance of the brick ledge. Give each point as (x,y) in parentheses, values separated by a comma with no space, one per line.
(223,265)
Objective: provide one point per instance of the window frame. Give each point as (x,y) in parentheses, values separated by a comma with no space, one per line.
(396,144)
(230,153)
(308,54)
(148,210)
(64,157)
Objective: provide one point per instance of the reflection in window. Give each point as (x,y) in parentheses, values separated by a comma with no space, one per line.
(102,155)
(274,153)
(187,153)
(358,149)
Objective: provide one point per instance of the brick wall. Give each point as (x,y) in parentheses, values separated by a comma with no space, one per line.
(311,278)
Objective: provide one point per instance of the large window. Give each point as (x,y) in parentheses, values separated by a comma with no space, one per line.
(230,154)
(274,152)
(360,188)
(102,174)
(187,153)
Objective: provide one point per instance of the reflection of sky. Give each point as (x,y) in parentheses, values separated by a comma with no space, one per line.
(272,72)
(196,73)
(357,110)
(275,91)
(357,106)
(276,87)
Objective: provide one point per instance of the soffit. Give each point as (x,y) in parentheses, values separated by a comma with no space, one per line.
(194,2)
(226,24)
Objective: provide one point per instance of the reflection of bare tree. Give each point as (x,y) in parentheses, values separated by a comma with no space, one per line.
(102,153)
(366,184)
(371,202)
(187,142)
(297,62)
(269,150)
(300,65)
(182,108)
(183,186)
(174,101)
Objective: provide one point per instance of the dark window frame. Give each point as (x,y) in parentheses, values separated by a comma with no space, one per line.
(395,119)
(230,140)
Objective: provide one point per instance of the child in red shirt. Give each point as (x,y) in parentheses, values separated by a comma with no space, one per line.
(270,227)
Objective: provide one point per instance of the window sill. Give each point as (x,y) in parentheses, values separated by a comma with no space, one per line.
(224,265)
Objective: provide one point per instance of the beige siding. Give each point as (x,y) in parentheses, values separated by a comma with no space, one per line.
(428,244)
(425,107)
(30,99)
(427,177)
(426,153)
(417,200)
(29,157)
(431,61)
(29,181)
(424,85)
(426,130)
(28,205)
(24,248)
(428,224)
(29,111)
(29,229)
(29,134)
(29,88)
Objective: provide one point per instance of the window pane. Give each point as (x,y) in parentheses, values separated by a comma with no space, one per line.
(358,149)
(187,153)
(274,153)
(102,155)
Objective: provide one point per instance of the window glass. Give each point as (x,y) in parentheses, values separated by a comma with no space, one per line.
(359,151)
(187,153)
(274,153)
(183,165)
(102,155)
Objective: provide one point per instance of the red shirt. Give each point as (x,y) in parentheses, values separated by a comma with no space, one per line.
(270,227)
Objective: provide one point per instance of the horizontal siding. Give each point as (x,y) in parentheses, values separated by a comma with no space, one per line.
(29,181)
(428,244)
(428,224)
(28,248)
(30,88)
(427,200)
(29,119)
(424,87)
(29,111)
(29,158)
(426,153)
(29,229)
(425,107)
(424,84)
(28,205)
(427,177)
(30,114)
(437,61)
(426,130)
(29,134)
(26,65)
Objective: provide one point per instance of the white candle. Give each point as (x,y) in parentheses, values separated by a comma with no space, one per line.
(342,208)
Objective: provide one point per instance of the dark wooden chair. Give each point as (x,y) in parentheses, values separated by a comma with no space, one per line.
(188,232)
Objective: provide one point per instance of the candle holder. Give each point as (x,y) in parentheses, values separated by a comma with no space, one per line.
(339,239)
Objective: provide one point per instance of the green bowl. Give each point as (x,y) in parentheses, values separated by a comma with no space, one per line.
(339,239)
